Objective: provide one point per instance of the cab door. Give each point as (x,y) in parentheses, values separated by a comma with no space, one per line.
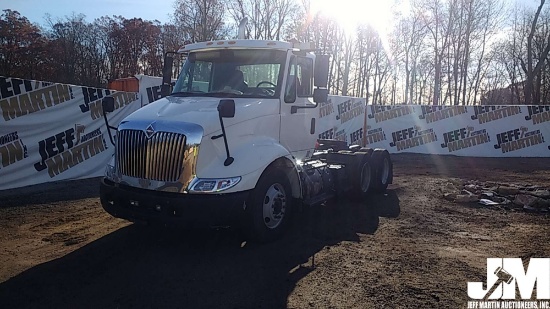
(299,114)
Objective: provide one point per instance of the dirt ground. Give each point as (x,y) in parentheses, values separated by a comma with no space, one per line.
(409,248)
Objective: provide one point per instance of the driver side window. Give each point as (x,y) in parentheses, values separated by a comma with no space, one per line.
(299,79)
(304,77)
(290,87)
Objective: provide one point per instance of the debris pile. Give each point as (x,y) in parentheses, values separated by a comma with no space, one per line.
(508,196)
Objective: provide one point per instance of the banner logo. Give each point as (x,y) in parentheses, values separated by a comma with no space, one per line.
(464,138)
(491,113)
(383,113)
(154,93)
(356,137)
(328,134)
(412,137)
(350,109)
(36,96)
(12,149)
(518,139)
(538,114)
(374,135)
(341,136)
(436,113)
(68,148)
(326,108)
(93,96)
(10,87)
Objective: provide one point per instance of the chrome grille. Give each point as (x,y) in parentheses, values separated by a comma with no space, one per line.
(158,158)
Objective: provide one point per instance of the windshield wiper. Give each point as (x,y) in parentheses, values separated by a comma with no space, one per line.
(220,94)
(186,93)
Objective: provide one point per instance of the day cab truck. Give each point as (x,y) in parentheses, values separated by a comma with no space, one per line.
(235,142)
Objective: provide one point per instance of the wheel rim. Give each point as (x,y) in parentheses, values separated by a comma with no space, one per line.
(385,171)
(274,206)
(365,178)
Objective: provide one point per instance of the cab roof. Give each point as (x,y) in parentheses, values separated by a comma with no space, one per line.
(224,44)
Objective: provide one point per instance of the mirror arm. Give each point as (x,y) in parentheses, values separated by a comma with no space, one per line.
(229,158)
(226,108)
(109,128)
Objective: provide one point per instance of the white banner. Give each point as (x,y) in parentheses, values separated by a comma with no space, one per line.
(476,131)
(343,119)
(149,88)
(51,132)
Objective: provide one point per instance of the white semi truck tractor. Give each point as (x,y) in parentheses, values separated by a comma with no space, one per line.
(235,142)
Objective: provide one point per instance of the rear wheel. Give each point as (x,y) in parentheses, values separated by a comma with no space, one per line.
(383,170)
(367,150)
(269,206)
(362,178)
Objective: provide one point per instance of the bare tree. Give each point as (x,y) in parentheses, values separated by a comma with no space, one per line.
(535,62)
(409,34)
(437,18)
(200,20)
(525,55)
(21,45)
(267,19)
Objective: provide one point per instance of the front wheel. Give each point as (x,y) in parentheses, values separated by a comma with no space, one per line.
(269,206)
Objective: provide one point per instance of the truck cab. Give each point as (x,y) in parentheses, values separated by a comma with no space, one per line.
(233,142)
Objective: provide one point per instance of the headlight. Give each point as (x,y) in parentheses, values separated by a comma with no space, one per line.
(213,185)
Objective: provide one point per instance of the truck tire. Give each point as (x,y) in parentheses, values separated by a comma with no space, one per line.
(269,206)
(367,150)
(362,178)
(344,157)
(383,170)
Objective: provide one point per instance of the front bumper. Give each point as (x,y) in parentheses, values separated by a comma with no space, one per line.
(177,209)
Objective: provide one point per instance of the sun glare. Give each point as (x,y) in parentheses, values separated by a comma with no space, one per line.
(351,13)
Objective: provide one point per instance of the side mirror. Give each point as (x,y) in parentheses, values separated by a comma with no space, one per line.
(108,104)
(166,75)
(320,95)
(321,71)
(164,90)
(226,108)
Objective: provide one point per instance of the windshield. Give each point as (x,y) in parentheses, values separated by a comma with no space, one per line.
(231,72)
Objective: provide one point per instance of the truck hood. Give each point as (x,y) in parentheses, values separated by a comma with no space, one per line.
(203,111)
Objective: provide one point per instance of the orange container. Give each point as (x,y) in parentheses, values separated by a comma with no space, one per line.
(128,84)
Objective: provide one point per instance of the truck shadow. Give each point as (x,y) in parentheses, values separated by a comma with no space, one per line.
(49,192)
(140,267)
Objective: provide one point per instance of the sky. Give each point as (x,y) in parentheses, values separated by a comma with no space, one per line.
(35,10)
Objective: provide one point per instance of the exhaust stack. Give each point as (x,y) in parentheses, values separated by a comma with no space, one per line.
(242,28)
